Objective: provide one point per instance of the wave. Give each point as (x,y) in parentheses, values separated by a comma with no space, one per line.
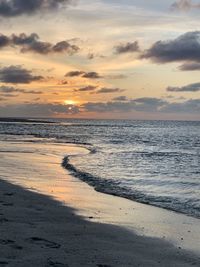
(114,188)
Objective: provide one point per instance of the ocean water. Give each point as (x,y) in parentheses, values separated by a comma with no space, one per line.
(153,162)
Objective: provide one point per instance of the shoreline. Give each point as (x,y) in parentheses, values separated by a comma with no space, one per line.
(91,181)
(134,225)
(39,230)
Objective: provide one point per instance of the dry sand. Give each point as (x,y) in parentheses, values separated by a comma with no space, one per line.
(39,231)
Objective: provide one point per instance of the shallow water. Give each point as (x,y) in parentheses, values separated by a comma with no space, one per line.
(36,165)
(155,162)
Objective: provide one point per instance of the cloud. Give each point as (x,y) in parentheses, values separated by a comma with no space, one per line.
(194,87)
(75,73)
(83,74)
(91,75)
(101,107)
(65,46)
(12,8)
(9,89)
(109,90)
(120,98)
(4,41)
(127,48)
(190,66)
(94,75)
(32,43)
(91,56)
(154,105)
(190,106)
(86,88)
(17,74)
(139,104)
(184,5)
(144,105)
(184,48)
(148,104)
(38,109)
(104,90)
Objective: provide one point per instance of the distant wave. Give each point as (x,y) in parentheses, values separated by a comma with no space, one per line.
(54,139)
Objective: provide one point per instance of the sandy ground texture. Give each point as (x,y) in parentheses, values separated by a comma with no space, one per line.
(36,230)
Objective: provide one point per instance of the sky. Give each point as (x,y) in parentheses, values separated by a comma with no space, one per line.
(109,59)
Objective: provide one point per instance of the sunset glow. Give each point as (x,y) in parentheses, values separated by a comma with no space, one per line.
(99,133)
(134,61)
(70,102)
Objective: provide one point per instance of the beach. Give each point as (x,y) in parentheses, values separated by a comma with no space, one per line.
(65,222)
(36,230)
(99,133)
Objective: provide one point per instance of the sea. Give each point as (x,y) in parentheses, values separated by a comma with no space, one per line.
(152,162)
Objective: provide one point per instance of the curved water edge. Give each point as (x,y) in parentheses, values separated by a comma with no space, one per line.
(108,186)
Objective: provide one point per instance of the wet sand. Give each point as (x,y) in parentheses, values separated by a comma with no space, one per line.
(38,231)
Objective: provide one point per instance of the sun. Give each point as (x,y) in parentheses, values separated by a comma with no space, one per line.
(69,102)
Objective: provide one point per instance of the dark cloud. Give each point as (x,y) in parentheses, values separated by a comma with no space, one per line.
(37,110)
(17,74)
(148,104)
(83,74)
(104,90)
(184,48)
(91,56)
(75,73)
(184,5)
(120,98)
(140,104)
(32,43)
(91,75)
(65,46)
(149,101)
(127,48)
(94,75)
(11,8)
(10,89)
(190,106)
(88,88)
(154,105)
(109,90)
(4,41)
(108,107)
(190,66)
(7,89)
(23,39)
(194,87)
